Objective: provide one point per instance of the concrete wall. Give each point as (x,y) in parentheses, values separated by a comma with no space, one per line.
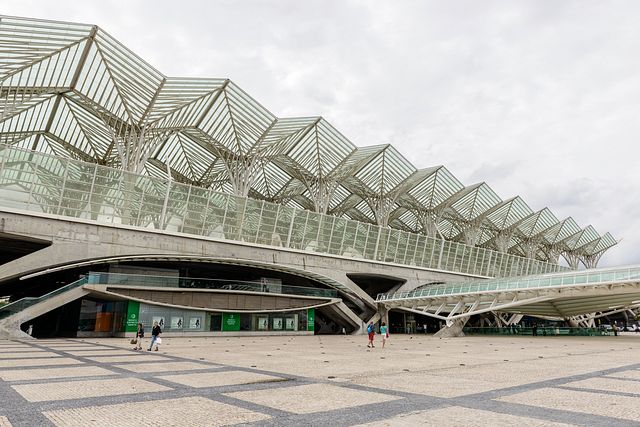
(223,301)
(78,240)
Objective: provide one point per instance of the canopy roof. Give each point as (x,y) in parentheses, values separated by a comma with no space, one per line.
(74,91)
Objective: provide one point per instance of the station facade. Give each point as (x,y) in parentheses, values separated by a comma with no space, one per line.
(93,136)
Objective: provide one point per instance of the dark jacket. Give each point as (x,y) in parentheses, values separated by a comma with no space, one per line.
(156,331)
(140,333)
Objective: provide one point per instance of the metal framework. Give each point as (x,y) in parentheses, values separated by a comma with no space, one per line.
(73,91)
(580,296)
(51,185)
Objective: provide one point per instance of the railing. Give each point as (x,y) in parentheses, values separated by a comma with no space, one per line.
(24,303)
(39,182)
(572,278)
(98,278)
(547,331)
(203,283)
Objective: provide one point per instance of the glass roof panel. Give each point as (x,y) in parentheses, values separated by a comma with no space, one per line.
(607,241)
(96,88)
(381,174)
(560,231)
(511,212)
(319,151)
(136,80)
(584,237)
(236,121)
(25,41)
(282,135)
(180,102)
(537,223)
(270,180)
(473,201)
(74,91)
(448,229)
(437,185)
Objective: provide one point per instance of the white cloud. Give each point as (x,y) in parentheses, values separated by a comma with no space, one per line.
(537,98)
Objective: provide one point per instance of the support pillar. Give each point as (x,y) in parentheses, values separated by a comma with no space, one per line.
(454,329)
(572,322)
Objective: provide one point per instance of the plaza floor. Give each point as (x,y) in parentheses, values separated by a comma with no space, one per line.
(323,380)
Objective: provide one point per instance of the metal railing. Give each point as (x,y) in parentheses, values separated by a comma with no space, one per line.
(34,181)
(98,278)
(572,278)
(204,283)
(23,303)
(547,331)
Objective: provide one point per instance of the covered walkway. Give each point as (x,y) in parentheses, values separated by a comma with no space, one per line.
(578,296)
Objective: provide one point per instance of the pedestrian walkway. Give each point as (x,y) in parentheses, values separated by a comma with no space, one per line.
(332,380)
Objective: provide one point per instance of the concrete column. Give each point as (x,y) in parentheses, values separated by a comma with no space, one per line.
(453,330)
(572,322)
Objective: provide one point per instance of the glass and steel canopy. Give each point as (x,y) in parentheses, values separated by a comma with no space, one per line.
(73,91)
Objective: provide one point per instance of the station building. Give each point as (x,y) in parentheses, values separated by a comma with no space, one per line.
(127,195)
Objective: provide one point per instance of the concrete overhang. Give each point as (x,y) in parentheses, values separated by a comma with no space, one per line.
(330,283)
(112,291)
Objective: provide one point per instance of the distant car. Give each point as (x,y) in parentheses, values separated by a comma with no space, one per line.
(632,328)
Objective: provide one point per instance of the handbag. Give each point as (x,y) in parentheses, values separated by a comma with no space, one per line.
(158,340)
(134,341)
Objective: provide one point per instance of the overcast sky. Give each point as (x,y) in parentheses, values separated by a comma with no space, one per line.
(537,98)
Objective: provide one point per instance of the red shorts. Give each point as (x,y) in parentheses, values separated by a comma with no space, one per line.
(371,335)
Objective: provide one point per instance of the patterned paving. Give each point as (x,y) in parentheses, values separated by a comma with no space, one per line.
(53,372)
(43,392)
(462,417)
(197,410)
(219,379)
(314,398)
(77,383)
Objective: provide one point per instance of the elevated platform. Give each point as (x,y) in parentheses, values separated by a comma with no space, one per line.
(558,295)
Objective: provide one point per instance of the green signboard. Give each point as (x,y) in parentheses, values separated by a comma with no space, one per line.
(133,314)
(311,315)
(230,322)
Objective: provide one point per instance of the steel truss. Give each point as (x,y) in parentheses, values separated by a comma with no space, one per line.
(74,91)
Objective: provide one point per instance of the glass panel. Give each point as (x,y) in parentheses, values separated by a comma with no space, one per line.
(40,182)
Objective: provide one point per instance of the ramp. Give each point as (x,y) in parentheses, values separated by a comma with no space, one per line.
(15,314)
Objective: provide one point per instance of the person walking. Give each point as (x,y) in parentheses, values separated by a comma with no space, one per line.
(384,333)
(155,336)
(139,337)
(371,332)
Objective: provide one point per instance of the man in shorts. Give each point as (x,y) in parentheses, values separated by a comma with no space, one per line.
(371,332)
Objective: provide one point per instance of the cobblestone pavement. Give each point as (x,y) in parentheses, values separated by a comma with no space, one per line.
(322,380)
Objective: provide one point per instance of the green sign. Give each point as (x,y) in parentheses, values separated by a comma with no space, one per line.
(230,322)
(311,323)
(133,313)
